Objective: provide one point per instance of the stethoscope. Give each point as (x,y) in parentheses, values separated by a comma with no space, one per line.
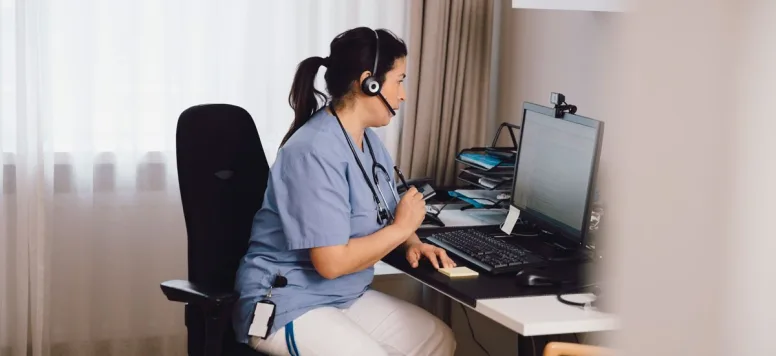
(384,214)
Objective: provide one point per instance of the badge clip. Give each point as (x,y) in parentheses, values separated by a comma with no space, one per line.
(264,314)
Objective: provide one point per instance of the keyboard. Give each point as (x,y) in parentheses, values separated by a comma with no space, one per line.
(485,251)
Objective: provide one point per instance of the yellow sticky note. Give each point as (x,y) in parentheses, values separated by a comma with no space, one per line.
(458,272)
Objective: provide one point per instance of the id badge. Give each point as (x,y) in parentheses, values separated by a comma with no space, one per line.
(263,317)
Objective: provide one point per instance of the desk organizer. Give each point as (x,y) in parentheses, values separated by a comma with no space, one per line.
(491,167)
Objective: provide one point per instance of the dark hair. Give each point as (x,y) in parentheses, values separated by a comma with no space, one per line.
(351,53)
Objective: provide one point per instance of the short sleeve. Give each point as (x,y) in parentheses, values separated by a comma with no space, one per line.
(313,202)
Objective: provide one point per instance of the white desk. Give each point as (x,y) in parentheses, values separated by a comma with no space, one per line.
(533,316)
(545,315)
(384,269)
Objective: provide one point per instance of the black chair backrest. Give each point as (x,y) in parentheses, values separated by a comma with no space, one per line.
(222,173)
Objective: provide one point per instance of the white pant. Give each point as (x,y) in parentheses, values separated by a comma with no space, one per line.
(375,325)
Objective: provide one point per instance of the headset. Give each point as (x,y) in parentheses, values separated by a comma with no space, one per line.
(371,86)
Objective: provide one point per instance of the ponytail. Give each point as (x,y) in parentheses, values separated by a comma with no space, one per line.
(303,97)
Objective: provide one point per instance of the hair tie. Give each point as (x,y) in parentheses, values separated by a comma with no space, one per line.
(325,62)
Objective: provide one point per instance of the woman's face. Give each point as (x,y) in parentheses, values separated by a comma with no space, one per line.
(392,90)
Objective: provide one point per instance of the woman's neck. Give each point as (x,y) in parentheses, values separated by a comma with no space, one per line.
(352,118)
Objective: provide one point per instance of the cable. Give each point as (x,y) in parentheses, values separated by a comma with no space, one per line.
(439,211)
(560,294)
(568,302)
(524,235)
(471,330)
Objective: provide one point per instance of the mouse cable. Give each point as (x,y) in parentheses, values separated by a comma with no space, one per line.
(569,302)
(560,294)
(471,330)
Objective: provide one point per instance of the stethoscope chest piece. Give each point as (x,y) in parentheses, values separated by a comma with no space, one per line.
(382,215)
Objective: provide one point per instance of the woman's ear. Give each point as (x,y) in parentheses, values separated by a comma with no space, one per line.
(365,74)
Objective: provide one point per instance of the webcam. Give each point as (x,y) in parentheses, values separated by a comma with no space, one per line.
(561,107)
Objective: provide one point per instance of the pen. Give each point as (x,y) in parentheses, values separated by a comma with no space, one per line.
(401,176)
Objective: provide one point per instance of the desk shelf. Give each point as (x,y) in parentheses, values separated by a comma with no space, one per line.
(500,168)
(574,5)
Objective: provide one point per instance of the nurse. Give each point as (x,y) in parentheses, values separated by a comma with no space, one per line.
(331,212)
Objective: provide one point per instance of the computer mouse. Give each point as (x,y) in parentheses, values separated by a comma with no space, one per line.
(530,277)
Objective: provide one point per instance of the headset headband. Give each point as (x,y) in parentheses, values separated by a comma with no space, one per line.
(377,52)
(371,86)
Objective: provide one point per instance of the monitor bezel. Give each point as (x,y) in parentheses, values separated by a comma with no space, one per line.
(570,235)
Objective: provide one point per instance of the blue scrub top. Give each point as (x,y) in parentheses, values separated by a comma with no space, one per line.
(316,196)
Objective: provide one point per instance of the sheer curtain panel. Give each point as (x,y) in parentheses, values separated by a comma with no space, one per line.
(90,92)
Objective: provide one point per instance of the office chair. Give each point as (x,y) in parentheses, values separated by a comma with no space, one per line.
(568,349)
(222,173)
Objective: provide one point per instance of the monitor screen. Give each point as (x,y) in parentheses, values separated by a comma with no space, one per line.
(554,178)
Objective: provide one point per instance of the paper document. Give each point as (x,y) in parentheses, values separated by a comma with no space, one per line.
(483,160)
(490,183)
(478,197)
(481,193)
(472,217)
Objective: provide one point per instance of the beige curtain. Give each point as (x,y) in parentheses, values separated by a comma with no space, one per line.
(448,95)
(449,71)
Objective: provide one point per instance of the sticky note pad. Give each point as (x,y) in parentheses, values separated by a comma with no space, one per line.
(456,272)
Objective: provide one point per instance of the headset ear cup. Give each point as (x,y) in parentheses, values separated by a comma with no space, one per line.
(370,86)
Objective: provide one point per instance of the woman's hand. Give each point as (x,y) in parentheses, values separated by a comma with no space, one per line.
(436,255)
(411,211)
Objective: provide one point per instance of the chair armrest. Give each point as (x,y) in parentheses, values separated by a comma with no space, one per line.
(568,349)
(186,292)
(207,313)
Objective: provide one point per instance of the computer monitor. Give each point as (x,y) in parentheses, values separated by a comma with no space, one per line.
(555,171)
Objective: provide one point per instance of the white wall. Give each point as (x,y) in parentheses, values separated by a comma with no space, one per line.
(688,166)
(693,179)
(751,308)
(544,51)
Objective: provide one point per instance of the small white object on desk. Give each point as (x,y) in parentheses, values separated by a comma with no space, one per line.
(511,220)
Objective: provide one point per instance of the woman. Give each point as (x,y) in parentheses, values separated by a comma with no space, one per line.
(325,222)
